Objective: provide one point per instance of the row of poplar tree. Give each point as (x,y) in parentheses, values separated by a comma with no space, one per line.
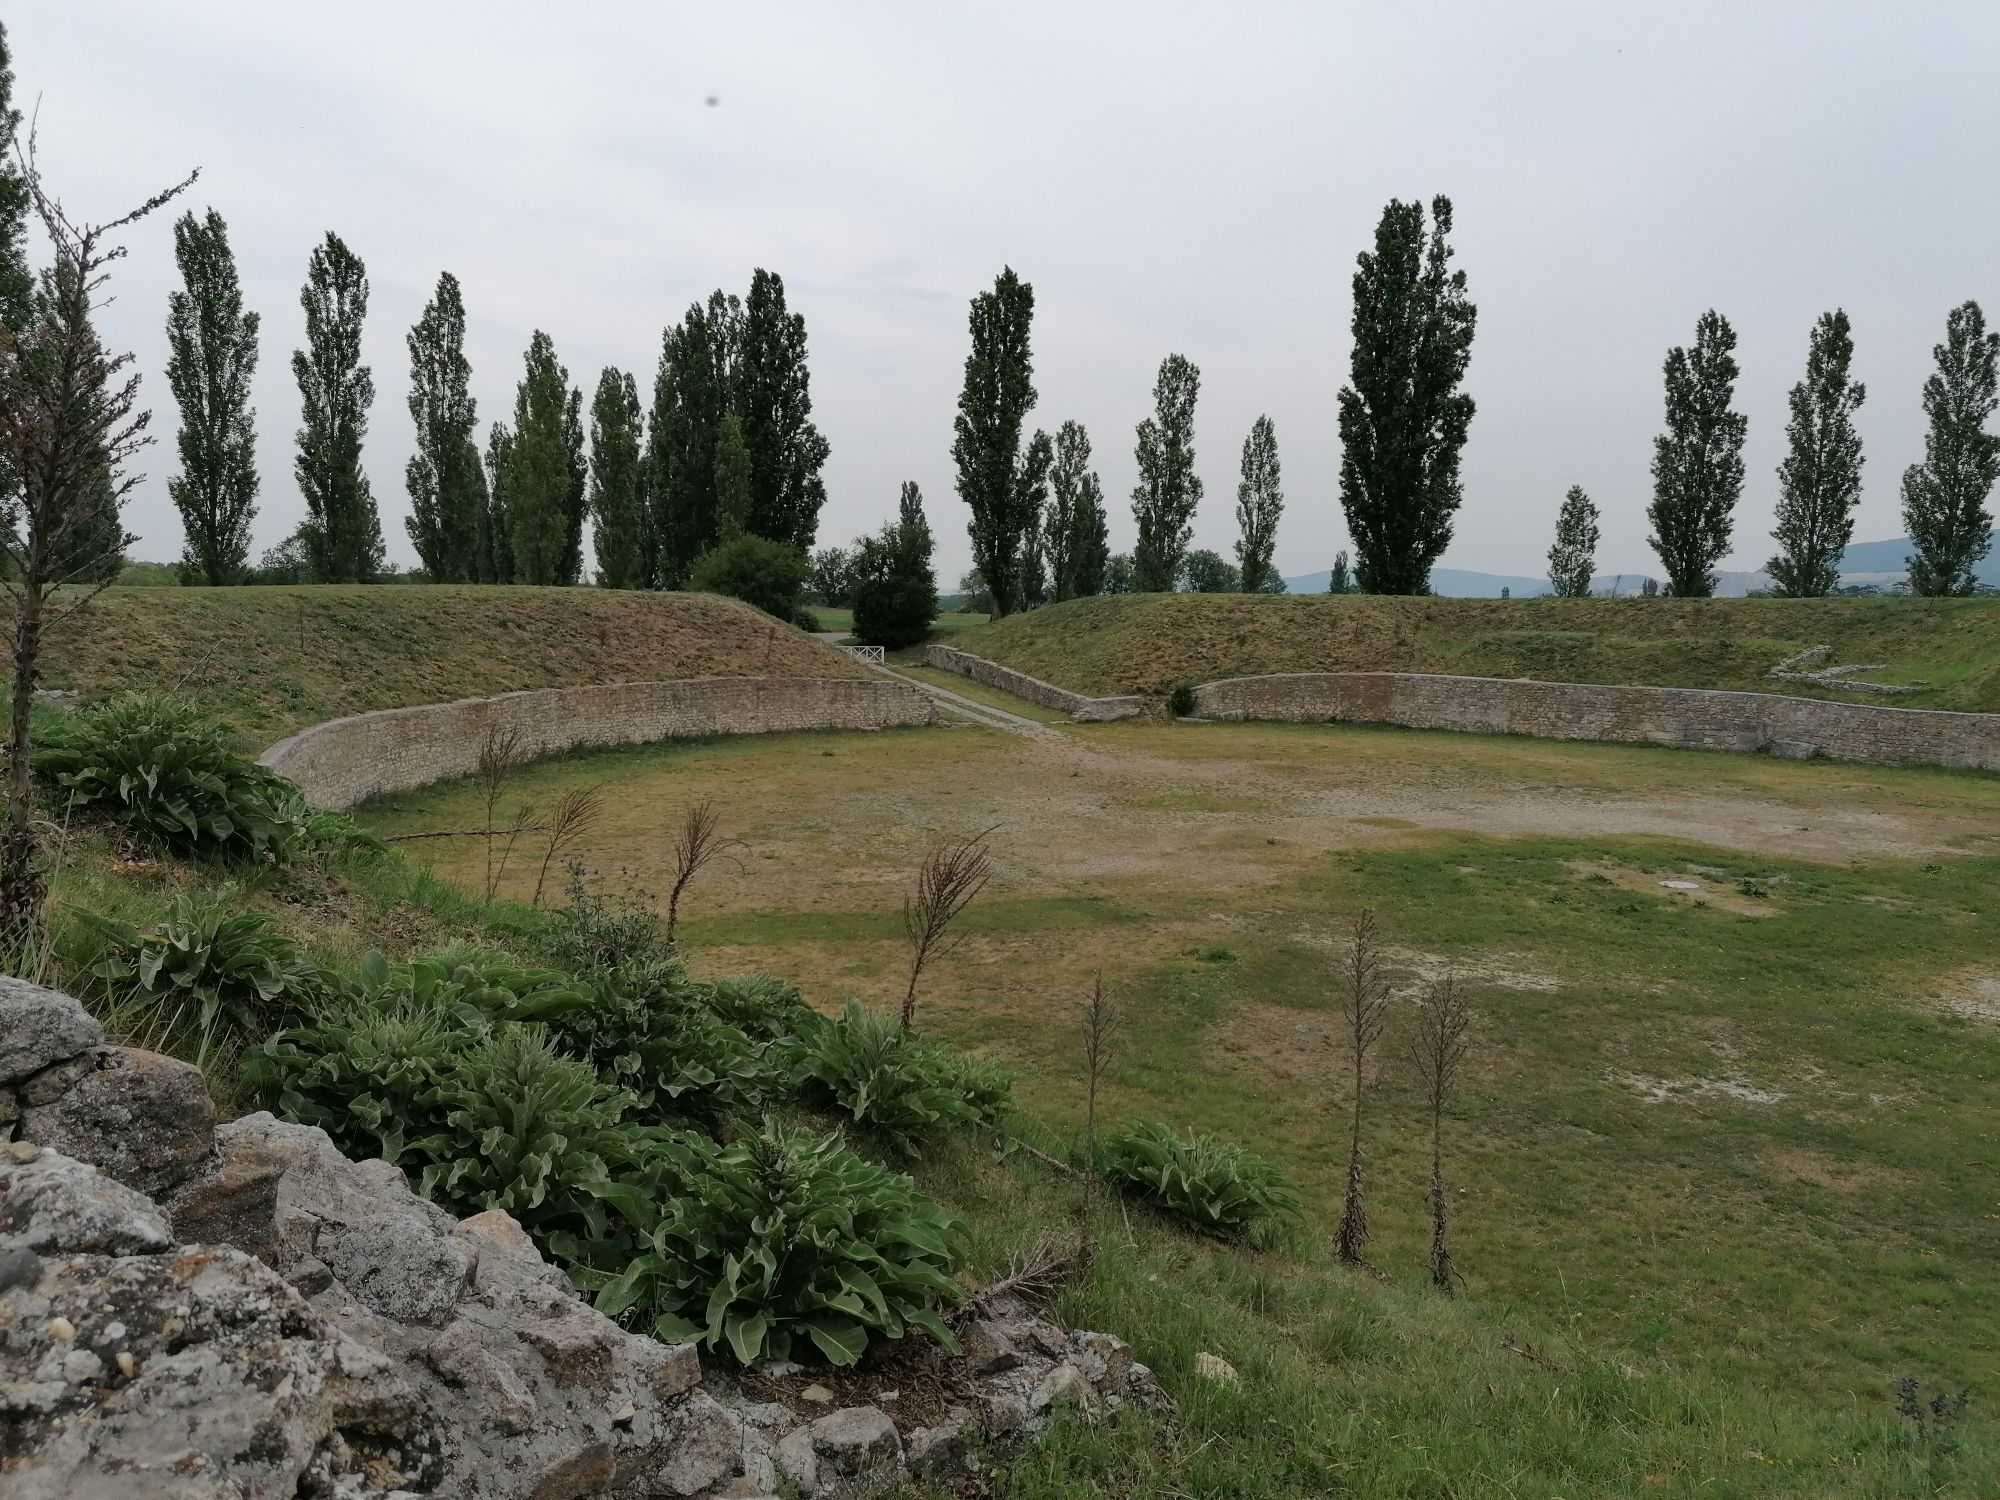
(728,447)
(1037,509)
(1698,467)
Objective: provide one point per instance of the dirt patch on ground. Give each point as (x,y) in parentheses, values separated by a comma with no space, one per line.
(1702,891)
(1822,1170)
(1975,996)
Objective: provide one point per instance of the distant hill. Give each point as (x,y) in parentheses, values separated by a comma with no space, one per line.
(1145,642)
(1880,563)
(273,659)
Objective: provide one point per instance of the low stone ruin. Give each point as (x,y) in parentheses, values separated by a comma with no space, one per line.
(1811,666)
(194,1311)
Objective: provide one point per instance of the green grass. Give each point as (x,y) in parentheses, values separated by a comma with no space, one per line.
(273,659)
(1145,642)
(951,623)
(1672,1288)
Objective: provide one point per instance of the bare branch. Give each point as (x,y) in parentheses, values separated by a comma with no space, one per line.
(947,881)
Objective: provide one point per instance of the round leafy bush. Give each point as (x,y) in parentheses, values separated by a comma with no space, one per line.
(1181,699)
(767,574)
(1215,1186)
(168,771)
(890,1083)
(779,1241)
(212,965)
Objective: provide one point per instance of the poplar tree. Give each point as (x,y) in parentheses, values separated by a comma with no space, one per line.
(1169,491)
(1573,558)
(1698,460)
(1819,483)
(1033,503)
(1340,580)
(539,476)
(1403,418)
(624,540)
(576,498)
(496,548)
(910,506)
(1260,500)
(342,534)
(734,481)
(1944,497)
(994,401)
(690,399)
(211,359)
(1077,546)
(773,393)
(443,476)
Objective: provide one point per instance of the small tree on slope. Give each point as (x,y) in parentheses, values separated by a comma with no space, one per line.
(1573,558)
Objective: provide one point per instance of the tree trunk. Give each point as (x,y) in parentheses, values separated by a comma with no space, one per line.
(20,880)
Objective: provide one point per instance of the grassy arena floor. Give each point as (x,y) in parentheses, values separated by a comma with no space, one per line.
(1725,1160)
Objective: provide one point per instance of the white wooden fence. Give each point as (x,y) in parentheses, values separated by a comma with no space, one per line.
(870,654)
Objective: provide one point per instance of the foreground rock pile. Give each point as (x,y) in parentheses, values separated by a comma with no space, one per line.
(191,1311)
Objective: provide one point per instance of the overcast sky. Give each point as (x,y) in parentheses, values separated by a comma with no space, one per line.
(1172,178)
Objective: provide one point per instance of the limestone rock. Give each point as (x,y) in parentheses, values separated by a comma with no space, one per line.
(52,1205)
(1214,1367)
(40,1027)
(145,1119)
(393,1265)
(858,1442)
(705,1443)
(798,1464)
(233,1202)
(1064,1386)
(942,1451)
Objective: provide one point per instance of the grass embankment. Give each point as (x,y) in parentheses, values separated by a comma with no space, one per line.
(951,623)
(271,660)
(1146,642)
(1722,1163)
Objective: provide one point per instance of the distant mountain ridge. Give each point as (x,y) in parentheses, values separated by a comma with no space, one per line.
(1865,562)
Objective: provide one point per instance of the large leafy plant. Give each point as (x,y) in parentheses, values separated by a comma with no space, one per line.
(168,771)
(1217,1187)
(213,965)
(779,1242)
(888,1082)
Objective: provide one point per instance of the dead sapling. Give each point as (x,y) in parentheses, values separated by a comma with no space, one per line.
(699,842)
(576,814)
(499,757)
(1437,1046)
(1100,1029)
(1366,1003)
(947,881)
(70,427)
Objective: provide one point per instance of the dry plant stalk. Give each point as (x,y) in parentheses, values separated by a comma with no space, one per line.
(576,814)
(1033,1273)
(524,821)
(1366,1002)
(499,757)
(698,844)
(947,881)
(1438,1049)
(1100,1028)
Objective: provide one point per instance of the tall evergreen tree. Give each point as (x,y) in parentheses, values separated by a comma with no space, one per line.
(1077,546)
(1260,500)
(1169,491)
(211,358)
(443,476)
(1698,460)
(1944,497)
(576,499)
(773,391)
(1819,483)
(624,539)
(496,546)
(735,481)
(342,534)
(539,472)
(479,496)
(1573,558)
(998,394)
(1403,418)
(1033,504)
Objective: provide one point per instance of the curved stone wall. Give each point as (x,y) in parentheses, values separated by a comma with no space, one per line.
(1775,723)
(344,762)
(1021,685)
